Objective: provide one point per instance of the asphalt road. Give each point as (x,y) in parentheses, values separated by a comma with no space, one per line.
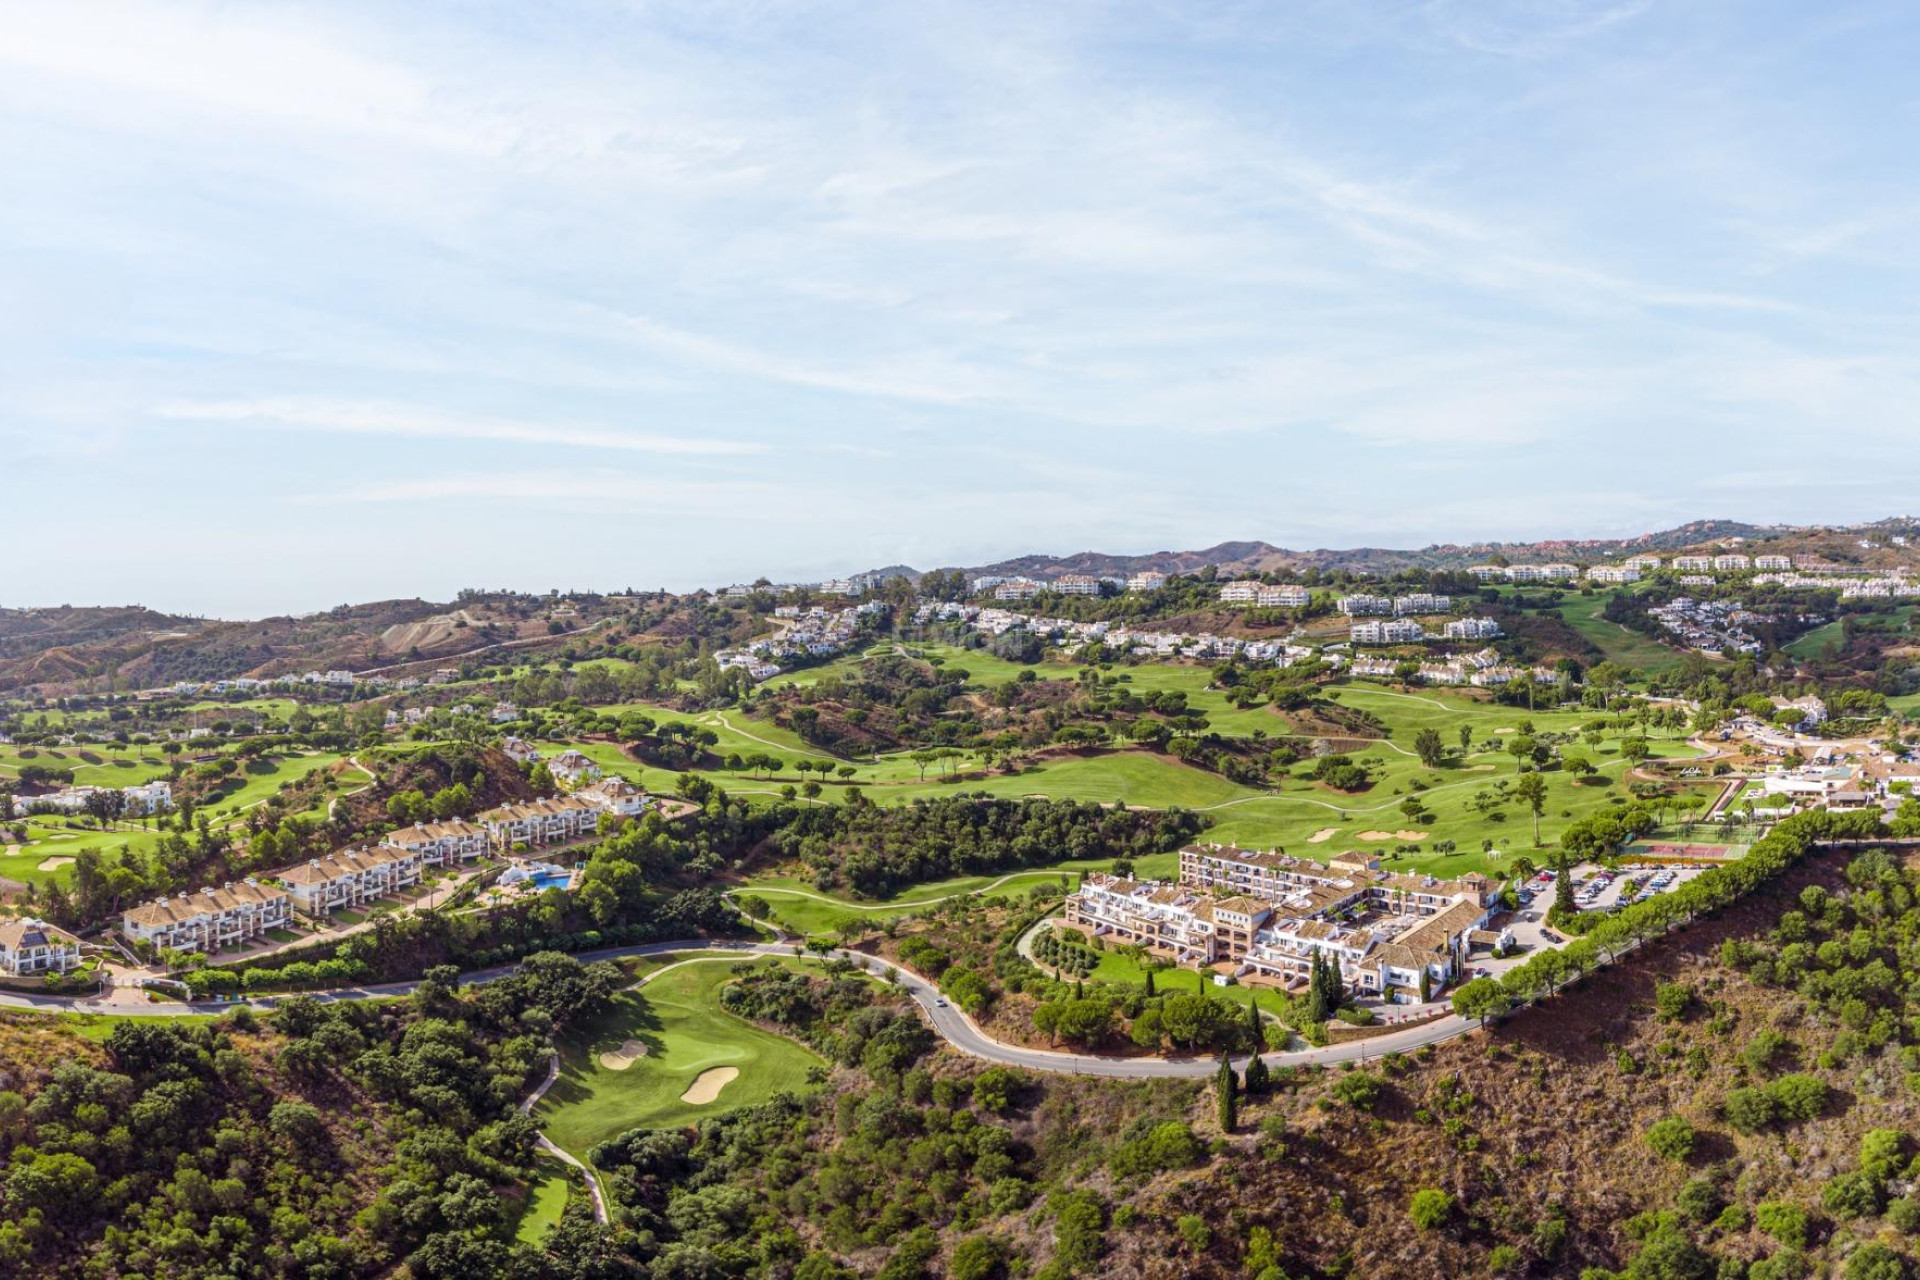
(951,1023)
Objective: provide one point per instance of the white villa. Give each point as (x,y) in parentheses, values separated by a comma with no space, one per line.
(33,948)
(574,768)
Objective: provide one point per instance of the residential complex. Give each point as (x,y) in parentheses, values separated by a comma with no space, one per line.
(1263,917)
(1421,602)
(1395,631)
(1471,629)
(351,878)
(1146,580)
(1362,605)
(1613,574)
(1264,595)
(211,918)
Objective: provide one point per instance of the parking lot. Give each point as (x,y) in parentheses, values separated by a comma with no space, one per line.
(1528,924)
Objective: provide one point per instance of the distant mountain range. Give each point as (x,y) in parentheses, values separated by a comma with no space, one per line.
(1836,542)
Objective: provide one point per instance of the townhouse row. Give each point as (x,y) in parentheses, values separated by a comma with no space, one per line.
(235,914)
(1266,915)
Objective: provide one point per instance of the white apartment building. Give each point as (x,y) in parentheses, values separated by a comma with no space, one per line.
(1076,584)
(1488,572)
(1643,563)
(539,822)
(1362,605)
(1146,580)
(1773,562)
(1542,573)
(33,949)
(211,918)
(1263,595)
(1267,914)
(439,843)
(519,750)
(1397,631)
(1693,564)
(1017,589)
(1611,574)
(350,878)
(1471,629)
(1732,563)
(1421,602)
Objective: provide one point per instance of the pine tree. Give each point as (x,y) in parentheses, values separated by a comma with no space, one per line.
(1226,1087)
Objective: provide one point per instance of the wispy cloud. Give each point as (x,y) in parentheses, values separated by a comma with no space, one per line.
(354,417)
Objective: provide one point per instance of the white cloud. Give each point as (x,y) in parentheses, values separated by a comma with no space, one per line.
(351,417)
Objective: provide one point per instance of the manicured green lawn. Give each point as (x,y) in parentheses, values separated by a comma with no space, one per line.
(677,1015)
(546,1201)
(93,766)
(806,910)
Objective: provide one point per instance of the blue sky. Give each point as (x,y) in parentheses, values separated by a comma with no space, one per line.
(305,303)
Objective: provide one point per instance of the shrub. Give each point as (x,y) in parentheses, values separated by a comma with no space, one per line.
(1876,1262)
(1786,1223)
(1748,1110)
(977,1258)
(1503,1259)
(1698,1201)
(995,1088)
(1193,1229)
(1168,1146)
(1358,1089)
(1430,1208)
(1798,1096)
(1671,1000)
(1853,1195)
(1671,1139)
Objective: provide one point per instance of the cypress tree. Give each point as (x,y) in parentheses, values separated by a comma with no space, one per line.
(1426,985)
(1253,1020)
(1227,1090)
(1258,1077)
(1563,903)
(1149,982)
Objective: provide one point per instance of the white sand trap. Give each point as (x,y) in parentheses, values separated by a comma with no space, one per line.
(625,1056)
(1374,835)
(709,1085)
(1481,768)
(1321,836)
(1506,731)
(1410,835)
(14,850)
(54,864)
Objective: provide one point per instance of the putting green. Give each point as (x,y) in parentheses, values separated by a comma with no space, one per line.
(688,1038)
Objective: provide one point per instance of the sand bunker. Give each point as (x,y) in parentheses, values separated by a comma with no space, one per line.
(1391,835)
(1481,768)
(1410,835)
(709,1085)
(625,1056)
(14,850)
(54,864)
(1506,731)
(1321,836)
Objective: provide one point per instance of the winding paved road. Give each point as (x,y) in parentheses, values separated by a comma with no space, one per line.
(951,1023)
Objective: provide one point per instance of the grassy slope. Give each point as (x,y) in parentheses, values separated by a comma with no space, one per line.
(1629,648)
(679,1018)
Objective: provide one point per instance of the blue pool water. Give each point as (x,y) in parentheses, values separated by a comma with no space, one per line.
(551,879)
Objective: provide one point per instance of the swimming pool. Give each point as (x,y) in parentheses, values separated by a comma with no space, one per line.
(544,880)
